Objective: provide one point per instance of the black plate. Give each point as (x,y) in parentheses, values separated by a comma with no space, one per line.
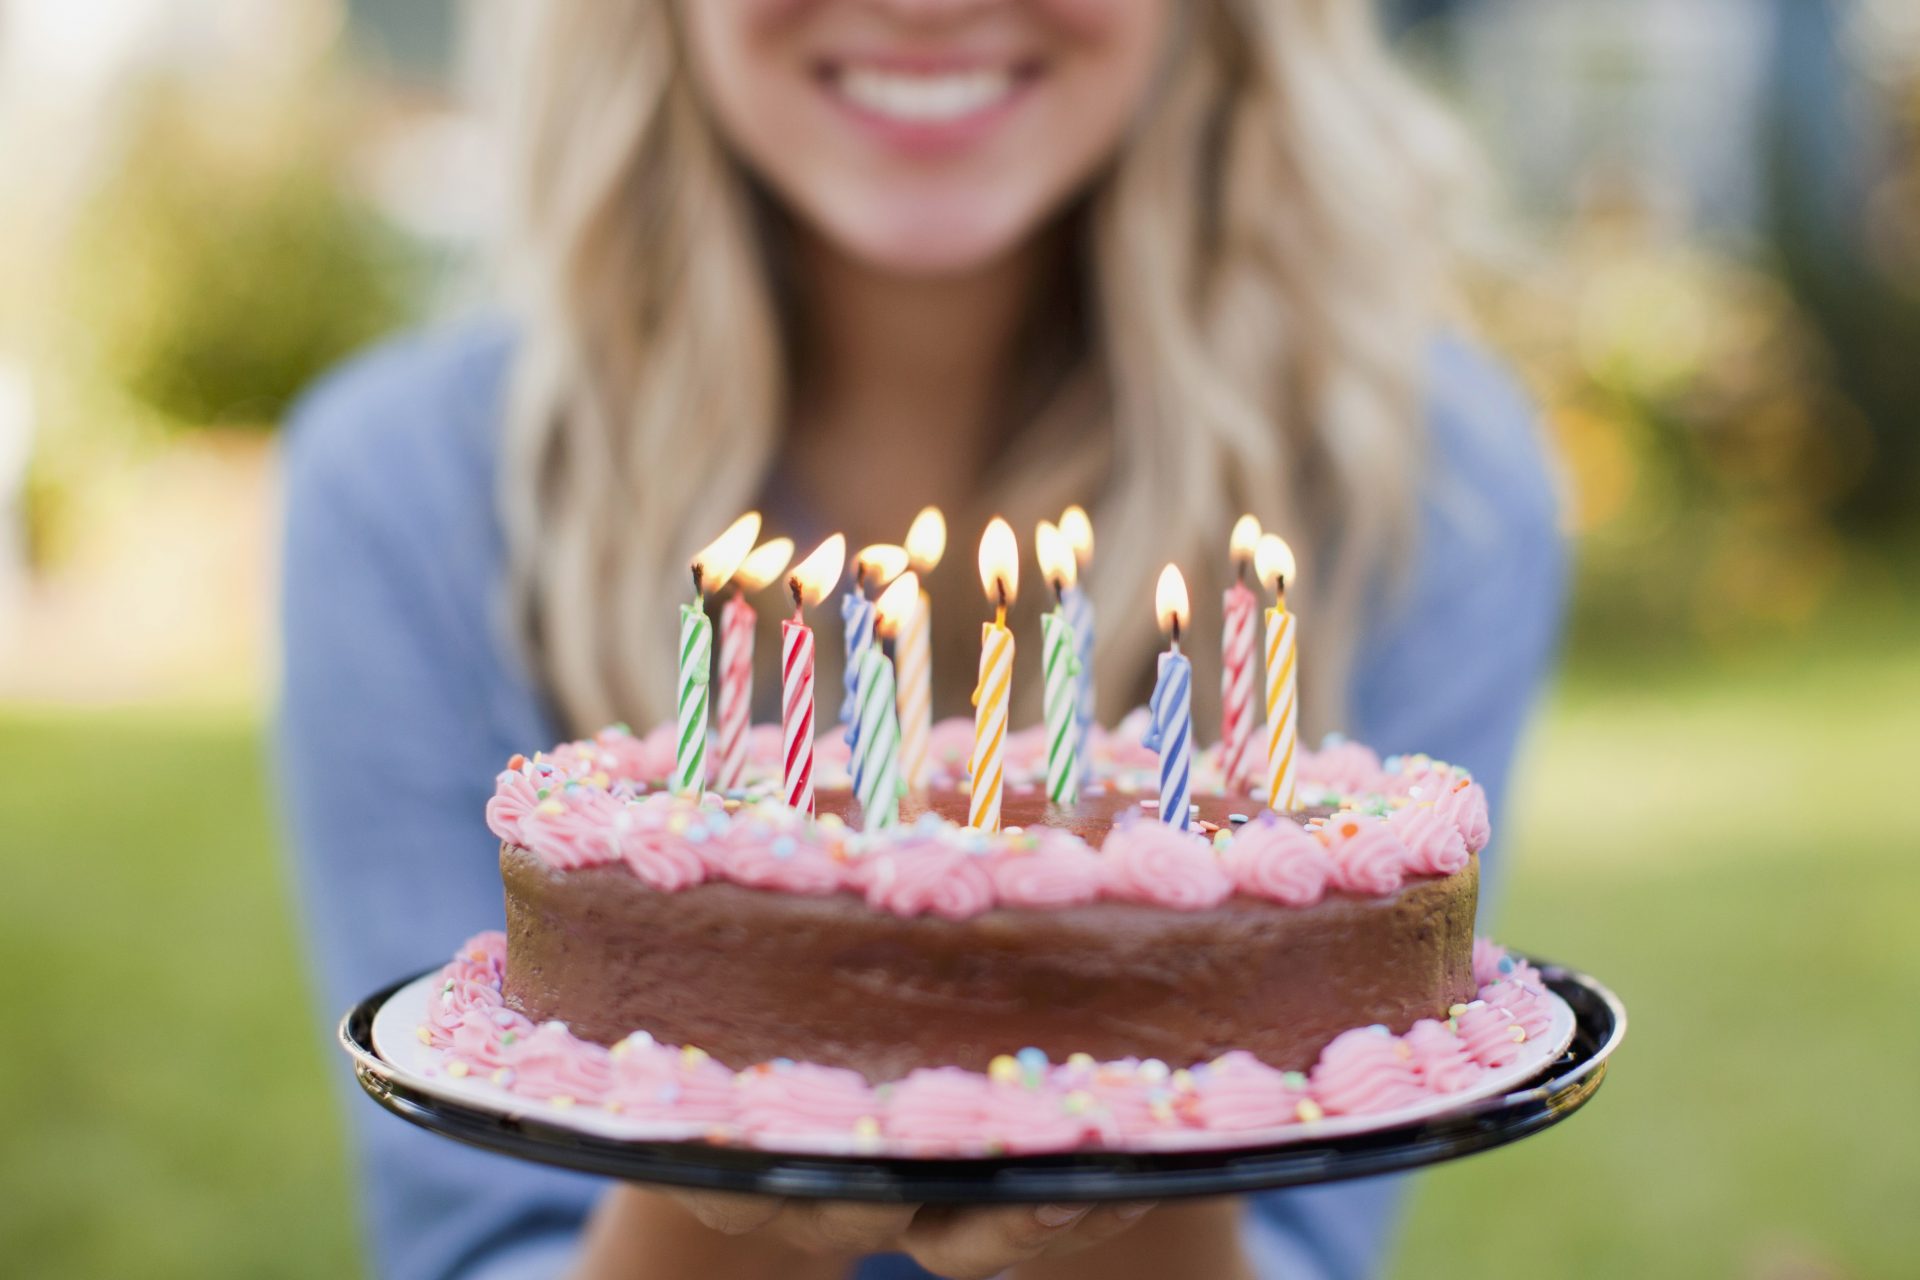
(1561,1089)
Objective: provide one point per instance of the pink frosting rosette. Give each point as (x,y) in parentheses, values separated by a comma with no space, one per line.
(1122,1109)
(1487,955)
(1466,807)
(554,1066)
(1368,857)
(1366,1070)
(485,1041)
(1433,843)
(652,1081)
(1526,1003)
(1271,857)
(787,861)
(1060,871)
(450,1004)
(928,878)
(1153,863)
(1347,768)
(516,792)
(1238,1092)
(1440,1058)
(1024,1121)
(803,1098)
(661,858)
(1492,1035)
(573,828)
(938,1110)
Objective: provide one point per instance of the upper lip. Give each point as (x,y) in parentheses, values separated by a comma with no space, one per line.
(928,64)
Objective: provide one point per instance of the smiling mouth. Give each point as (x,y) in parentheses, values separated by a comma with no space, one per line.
(925,97)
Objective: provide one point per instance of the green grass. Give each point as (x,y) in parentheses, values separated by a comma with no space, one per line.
(1736,850)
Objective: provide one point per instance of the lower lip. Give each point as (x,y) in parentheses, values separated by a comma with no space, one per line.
(932,137)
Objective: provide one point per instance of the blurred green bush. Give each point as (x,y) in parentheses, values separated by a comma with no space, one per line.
(219,279)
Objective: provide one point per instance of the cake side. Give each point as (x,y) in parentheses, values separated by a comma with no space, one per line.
(751,975)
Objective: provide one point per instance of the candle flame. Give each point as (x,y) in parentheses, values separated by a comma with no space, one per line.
(896,604)
(1245,538)
(1170,601)
(1079,531)
(1273,561)
(768,561)
(999,562)
(880,563)
(1055,553)
(813,577)
(927,539)
(720,559)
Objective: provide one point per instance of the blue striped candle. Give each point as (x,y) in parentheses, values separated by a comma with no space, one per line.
(856,613)
(1170,732)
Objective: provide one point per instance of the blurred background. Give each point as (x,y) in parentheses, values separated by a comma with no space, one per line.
(1709,277)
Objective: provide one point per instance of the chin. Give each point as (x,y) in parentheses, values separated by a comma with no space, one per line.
(953,235)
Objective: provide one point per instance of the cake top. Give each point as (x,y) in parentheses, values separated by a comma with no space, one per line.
(1367,825)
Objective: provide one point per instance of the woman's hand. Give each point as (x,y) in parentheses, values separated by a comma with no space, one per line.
(638,1232)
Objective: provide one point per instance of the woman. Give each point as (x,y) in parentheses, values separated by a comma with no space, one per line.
(840,258)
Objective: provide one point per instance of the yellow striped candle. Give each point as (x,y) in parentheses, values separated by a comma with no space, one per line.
(1000,576)
(1273,561)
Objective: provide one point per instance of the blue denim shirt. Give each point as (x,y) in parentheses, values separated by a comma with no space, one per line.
(402,697)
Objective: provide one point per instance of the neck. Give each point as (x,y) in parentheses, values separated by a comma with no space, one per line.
(902,377)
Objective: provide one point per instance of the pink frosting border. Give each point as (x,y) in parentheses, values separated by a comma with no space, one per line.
(597,802)
(1023,1104)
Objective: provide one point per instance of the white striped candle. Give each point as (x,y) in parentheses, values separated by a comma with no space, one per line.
(1060,704)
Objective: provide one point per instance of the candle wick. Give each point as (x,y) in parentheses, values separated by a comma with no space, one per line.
(1240,569)
(1176,633)
(1280,587)
(699,573)
(794,589)
(1000,589)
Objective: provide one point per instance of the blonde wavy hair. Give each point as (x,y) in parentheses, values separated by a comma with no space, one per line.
(1266,261)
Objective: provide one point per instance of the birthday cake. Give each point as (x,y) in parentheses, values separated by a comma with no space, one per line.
(732,961)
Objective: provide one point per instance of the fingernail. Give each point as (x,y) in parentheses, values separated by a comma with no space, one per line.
(1060,1215)
(1128,1212)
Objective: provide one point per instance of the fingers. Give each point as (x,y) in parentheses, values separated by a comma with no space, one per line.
(977,1244)
(729,1213)
(1103,1224)
(840,1228)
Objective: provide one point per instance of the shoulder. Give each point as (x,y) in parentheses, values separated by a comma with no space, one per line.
(404,425)
(1491,477)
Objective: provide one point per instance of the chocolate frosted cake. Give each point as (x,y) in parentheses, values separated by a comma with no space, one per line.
(729,968)
(1140,942)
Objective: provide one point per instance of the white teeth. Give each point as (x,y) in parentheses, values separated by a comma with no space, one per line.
(922,99)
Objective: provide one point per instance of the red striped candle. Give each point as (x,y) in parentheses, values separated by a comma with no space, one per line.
(809,583)
(736,691)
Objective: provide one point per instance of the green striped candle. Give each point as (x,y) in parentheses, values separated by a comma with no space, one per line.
(696,649)
(1060,701)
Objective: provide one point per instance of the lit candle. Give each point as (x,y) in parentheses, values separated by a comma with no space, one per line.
(1237,761)
(737,620)
(878,564)
(1060,664)
(1000,576)
(1078,530)
(913,650)
(809,583)
(1170,713)
(879,789)
(1273,562)
(711,570)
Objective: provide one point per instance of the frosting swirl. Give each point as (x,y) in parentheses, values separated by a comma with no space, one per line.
(552,1065)
(1434,846)
(1151,862)
(1059,872)
(1492,1035)
(916,879)
(1368,857)
(1365,1070)
(802,1097)
(1273,858)
(1440,1058)
(1466,807)
(1237,1092)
